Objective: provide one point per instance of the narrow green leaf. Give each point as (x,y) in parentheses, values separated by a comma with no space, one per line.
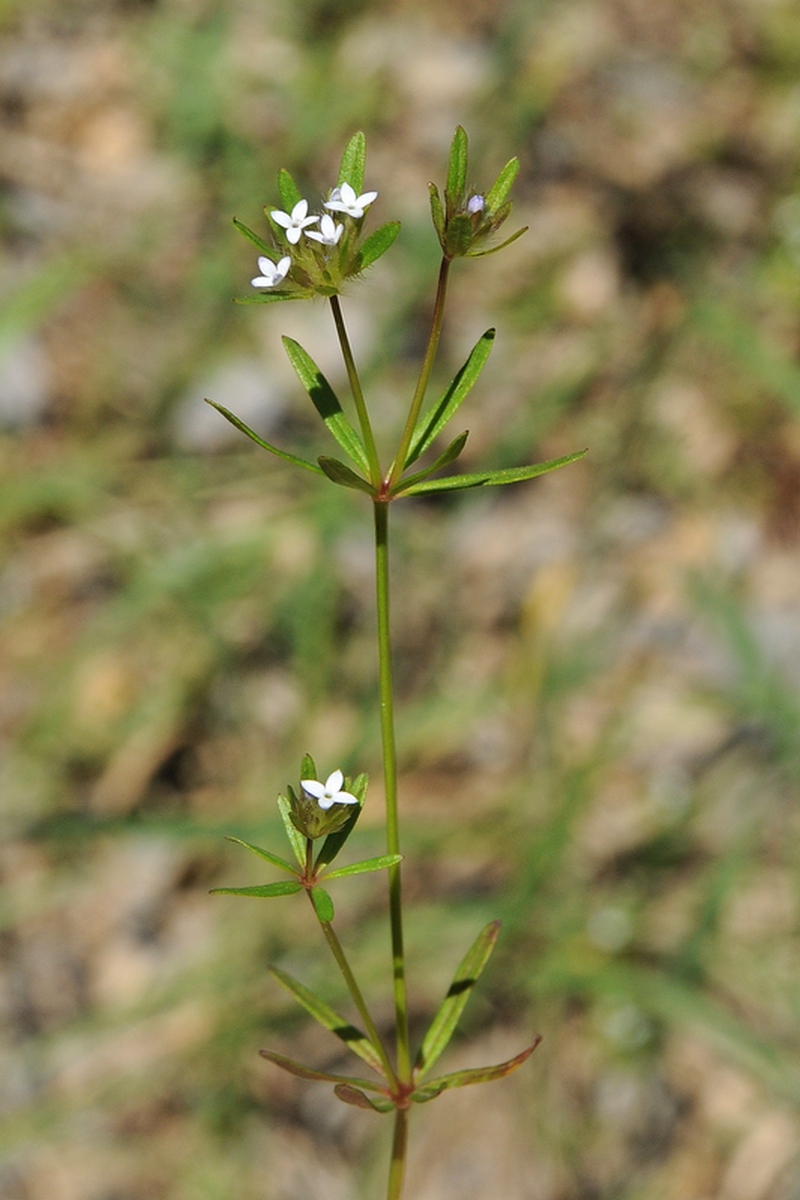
(288,190)
(296,839)
(377,244)
(334,841)
(435,1087)
(459,235)
(326,402)
(308,768)
(437,212)
(367,864)
(433,421)
(502,185)
(456,171)
(353,161)
(339,472)
(445,458)
(351,1095)
(502,246)
(444,1023)
(323,905)
(263,246)
(358,1042)
(275,859)
(304,1072)
(493,478)
(273,297)
(245,429)
(284,887)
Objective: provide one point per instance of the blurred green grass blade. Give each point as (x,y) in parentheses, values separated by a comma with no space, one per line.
(445,458)
(304,1072)
(353,163)
(763,361)
(326,402)
(281,888)
(435,1087)
(502,186)
(493,478)
(296,839)
(338,472)
(367,864)
(353,1038)
(444,1023)
(457,170)
(275,859)
(378,243)
(259,441)
(433,421)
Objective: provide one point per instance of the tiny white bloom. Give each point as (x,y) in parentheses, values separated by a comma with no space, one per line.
(294,222)
(271,273)
(344,199)
(330,792)
(476,204)
(328,233)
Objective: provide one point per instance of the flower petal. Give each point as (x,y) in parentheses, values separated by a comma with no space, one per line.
(314,788)
(334,781)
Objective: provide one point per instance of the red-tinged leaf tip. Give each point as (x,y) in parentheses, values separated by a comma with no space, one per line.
(351,1095)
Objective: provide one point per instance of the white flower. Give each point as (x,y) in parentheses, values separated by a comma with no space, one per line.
(476,204)
(328,233)
(343,199)
(271,274)
(294,222)
(329,792)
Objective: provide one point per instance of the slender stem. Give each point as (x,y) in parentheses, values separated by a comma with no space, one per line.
(390,785)
(358,392)
(398,466)
(358,999)
(397,1168)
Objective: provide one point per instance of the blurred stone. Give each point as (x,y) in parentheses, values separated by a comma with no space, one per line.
(247,388)
(25,383)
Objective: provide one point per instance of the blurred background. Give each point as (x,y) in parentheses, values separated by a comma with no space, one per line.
(599,671)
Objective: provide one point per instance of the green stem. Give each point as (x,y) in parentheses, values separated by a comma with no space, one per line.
(398,466)
(390,784)
(358,393)
(397,1168)
(358,999)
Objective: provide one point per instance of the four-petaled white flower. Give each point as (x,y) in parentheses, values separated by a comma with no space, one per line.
(344,199)
(294,222)
(330,792)
(271,273)
(328,233)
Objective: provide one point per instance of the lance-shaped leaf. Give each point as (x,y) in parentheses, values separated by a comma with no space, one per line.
(444,1023)
(367,864)
(435,1087)
(334,841)
(284,887)
(456,171)
(433,421)
(296,839)
(493,478)
(326,402)
(275,859)
(358,1042)
(245,429)
(308,768)
(437,212)
(275,297)
(353,162)
(351,1095)
(445,458)
(288,190)
(304,1072)
(263,246)
(377,244)
(323,905)
(339,472)
(502,246)
(502,186)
